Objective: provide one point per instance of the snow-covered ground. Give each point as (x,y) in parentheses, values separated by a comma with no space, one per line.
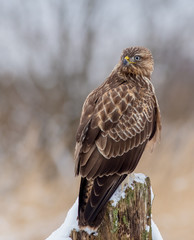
(70,223)
(63,232)
(155,232)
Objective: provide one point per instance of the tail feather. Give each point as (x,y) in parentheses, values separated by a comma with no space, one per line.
(93,197)
(84,193)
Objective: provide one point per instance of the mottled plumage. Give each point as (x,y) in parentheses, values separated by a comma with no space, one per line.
(118,119)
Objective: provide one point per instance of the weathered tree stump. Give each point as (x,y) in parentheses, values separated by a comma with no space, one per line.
(128,217)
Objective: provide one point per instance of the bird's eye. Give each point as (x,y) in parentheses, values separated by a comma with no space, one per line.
(137,58)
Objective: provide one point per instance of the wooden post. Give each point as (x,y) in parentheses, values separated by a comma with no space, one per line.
(129,218)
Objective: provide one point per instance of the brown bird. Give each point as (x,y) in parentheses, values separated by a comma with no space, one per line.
(118,119)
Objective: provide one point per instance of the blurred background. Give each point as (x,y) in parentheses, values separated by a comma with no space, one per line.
(52,54)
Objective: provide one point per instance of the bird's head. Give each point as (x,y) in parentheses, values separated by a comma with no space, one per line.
(137,61)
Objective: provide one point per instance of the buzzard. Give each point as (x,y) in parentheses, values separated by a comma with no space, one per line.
(118,119)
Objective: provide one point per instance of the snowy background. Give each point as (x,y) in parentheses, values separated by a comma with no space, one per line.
(52,54)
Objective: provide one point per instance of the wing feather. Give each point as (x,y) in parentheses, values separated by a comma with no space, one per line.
(121,121)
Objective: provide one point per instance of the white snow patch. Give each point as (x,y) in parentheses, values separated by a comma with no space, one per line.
(117,196)
(155,232)
(147,228)
(152,195)
(120,192)
(70,223)
(140,177)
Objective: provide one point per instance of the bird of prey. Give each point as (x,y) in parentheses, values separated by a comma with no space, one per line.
(118,119)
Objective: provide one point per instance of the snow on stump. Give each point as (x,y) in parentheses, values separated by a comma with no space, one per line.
(128,216)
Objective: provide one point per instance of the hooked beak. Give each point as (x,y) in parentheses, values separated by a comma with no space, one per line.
(127,61)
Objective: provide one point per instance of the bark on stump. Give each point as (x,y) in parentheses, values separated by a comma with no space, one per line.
(129,219)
